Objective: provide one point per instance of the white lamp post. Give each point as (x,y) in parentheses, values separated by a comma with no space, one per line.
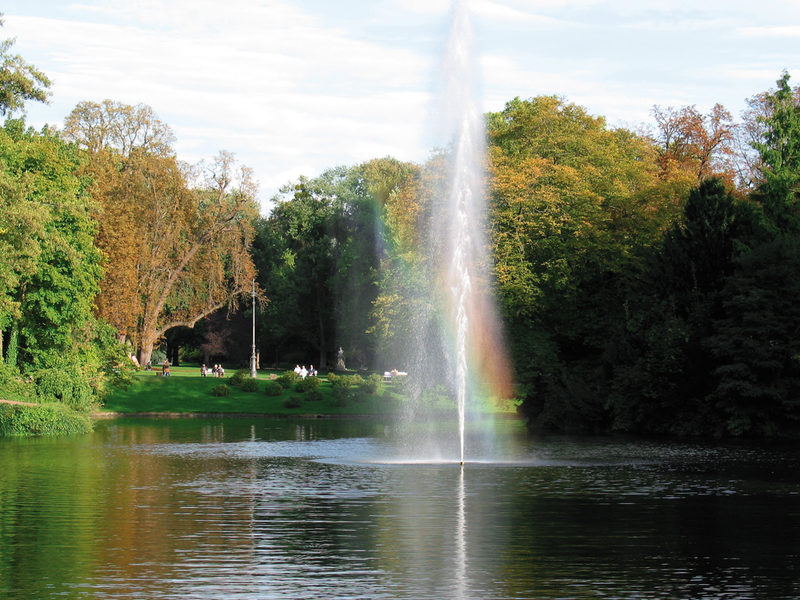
(253,369)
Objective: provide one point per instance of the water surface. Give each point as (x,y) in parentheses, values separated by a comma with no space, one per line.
(248,508)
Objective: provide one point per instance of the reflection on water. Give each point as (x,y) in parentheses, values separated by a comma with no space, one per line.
(197,509)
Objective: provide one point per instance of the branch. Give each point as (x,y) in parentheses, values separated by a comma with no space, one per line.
(188,323)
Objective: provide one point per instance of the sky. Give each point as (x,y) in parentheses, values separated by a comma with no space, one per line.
(295,87)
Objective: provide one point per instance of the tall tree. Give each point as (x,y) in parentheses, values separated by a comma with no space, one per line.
(19,80)
(779,149)
(51,267)
(574,207)
(185,247)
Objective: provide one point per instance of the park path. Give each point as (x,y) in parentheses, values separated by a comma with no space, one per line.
(17,402)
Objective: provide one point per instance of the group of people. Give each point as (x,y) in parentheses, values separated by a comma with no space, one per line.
(215,371)
(303,372)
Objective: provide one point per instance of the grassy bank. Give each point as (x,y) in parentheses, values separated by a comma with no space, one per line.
(185,391)
(42,419)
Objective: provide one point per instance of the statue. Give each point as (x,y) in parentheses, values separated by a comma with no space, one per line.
(340,360)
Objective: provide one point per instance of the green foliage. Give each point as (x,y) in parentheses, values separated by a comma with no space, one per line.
(779,192)
(287,379)
(249,385)
(755,344)
(15,386)
(273,388)
(221,390)
(239,377)
(44,419)
(19,80)
(66,384)
(346,388)
(372,383)
(318,250)
(51,267)
(307,384)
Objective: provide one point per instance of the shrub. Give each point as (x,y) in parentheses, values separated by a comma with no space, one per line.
(250,385)
(287,379)
(372,384)
(239,377)
(402,385)
(307,384)
(346,388)
(314,395)
(43,419)
(14,386)
(292,403)
(341,385)
(66,385)
(273,388)
(221,390)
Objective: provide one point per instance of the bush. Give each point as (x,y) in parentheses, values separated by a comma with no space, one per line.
(373,383)
(239,377)
(66,385)
(250,385)
(346,387)
(43,419)
(221,390)
(307,384)
(314,395)
(355,380)
(273,388)
(287,379)
(14,386)
(402,385)
(293,403)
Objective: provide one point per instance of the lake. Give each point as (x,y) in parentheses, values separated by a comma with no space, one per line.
(253,508)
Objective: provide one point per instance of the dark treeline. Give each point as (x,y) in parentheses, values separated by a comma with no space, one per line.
(645,280)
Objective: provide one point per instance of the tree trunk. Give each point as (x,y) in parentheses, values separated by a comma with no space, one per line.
(146,350)
(322,354)
(173,354)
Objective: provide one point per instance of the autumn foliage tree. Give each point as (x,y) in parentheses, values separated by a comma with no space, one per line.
(699,146)
(176,237)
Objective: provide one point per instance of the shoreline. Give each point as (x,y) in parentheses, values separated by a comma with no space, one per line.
(232,415)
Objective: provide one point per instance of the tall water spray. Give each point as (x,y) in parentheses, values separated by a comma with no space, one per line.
(456,337)
(465,205)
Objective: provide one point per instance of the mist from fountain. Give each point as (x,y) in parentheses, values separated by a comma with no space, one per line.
(467,336)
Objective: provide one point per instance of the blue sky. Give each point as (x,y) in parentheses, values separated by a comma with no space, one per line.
(298,86)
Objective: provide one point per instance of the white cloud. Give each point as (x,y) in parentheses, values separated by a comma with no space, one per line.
(774,31)
(271,85)
(292,89)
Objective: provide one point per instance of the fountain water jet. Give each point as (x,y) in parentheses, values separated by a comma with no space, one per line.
(472,315)
(458,323)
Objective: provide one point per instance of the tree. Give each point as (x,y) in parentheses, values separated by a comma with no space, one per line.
(696,144)
(19,80)
(51,269)
(779,150)
(662,366)
(185,247)
(755,344)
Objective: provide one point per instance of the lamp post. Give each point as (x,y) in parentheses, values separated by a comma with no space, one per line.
(253,370)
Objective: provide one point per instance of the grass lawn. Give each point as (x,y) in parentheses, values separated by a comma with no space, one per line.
(185,391)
